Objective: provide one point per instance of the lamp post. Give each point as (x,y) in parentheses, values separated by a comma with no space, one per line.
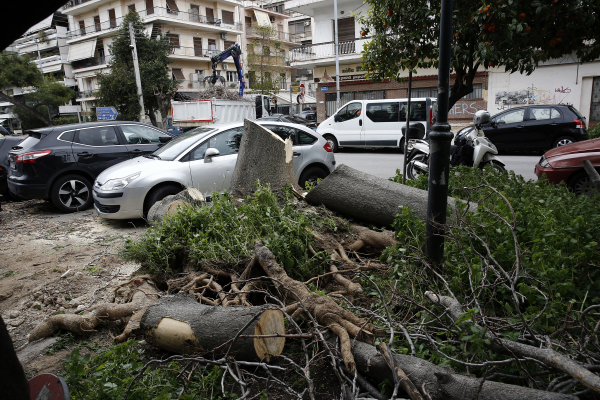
(439,146)
(337,57)
(37,44)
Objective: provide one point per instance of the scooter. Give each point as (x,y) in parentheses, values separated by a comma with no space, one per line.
(471,148)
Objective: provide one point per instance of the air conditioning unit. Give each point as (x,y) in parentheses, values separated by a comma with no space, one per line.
(225,66)
(223,35)
(306,23)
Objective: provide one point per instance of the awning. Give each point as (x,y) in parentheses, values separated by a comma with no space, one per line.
(43,24)
(262,18)
(172,5)
(51,68)
(178,73)
(83,50)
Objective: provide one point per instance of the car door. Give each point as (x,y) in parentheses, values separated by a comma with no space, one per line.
(543,124)
(507,130)
(141,139)
(287,131)
(97,148)
(348,125)
(215,175)
(381,125)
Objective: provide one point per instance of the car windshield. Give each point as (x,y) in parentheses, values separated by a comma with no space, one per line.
(175,147)
(298,120)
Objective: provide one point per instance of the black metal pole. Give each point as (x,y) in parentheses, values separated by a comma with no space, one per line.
(405,138)
(439,145)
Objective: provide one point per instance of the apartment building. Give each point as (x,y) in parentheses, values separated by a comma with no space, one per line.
(197,30)
(46,44)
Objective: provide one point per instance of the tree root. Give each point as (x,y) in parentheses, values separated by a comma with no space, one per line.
(370,238)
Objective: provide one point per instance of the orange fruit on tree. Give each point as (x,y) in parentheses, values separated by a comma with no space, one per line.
(384,26)
(522,16)
(390,11)
(363,33)
(485,26)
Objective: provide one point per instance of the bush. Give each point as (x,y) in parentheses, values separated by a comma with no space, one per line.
(594,132)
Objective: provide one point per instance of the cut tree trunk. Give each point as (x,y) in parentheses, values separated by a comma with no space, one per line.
(182,325)
(265,157)
(367,197)
(593,174)
(442,383)
(170,204)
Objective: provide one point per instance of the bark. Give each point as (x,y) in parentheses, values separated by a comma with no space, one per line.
(593,174)
(371,238)
(23,105)
(144,295)
(368,198)
(170,204)
(547,356)
(265,157)
(401,377)
(442,383)
(182,325)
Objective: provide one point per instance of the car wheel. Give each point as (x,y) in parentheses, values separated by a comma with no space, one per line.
(159,193)
(401,147)
(581,183)
(495,165)
(563,141)
(332,142)
(412,170)
(311,175)
(71,193)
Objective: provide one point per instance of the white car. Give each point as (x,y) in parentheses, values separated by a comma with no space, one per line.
(203,158)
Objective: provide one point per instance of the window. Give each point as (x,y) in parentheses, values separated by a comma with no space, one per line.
(174,40)
(112,18)
(97,24)
(198,47)
(232,76)
(227,17)
(67,136)
(198,152)
(149,7)
(138,134)
(228,44)
(511,117)
(194,13)
(210,15)
(417,111)
(131,7)
(172,7)
(305,138)
(227,142)
(539,114)
(100,136)
(383,112)
(81,27)
(178,74)
(477,92)
(283,132)
(212,47)
(349,112)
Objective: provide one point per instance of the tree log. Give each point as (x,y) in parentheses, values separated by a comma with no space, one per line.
(170,204)
(442,383)
(368,198)
(593,174)
(182,325)
(263,156)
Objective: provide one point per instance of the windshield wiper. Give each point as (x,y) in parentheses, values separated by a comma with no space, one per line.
(152,156)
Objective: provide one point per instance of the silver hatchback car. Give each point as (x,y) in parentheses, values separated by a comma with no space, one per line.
(128,190)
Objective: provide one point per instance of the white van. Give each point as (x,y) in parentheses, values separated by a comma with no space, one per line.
(376,123)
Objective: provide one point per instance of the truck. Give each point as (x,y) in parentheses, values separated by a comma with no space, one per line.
(189,114)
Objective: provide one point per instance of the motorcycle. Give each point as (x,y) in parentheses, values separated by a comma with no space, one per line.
(470,148)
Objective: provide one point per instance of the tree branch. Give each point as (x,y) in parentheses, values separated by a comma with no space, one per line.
(27,108)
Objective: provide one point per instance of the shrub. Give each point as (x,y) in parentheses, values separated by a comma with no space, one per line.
(594,132)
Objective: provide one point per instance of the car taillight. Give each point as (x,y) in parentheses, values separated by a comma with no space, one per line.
(579,123)
(181,129)
(328,148)
(30,158)
(431,116)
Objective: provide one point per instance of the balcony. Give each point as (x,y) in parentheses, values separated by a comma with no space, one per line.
(89,62)
(283,36)
(323,54)
(102,27)
(83,94)
(269,6)
(185,52)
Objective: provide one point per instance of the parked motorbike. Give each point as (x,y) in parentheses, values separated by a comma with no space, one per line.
(470,148)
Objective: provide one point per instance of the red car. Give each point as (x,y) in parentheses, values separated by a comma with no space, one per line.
(564,164)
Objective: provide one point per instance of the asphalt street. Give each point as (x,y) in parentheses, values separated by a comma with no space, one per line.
(383,163)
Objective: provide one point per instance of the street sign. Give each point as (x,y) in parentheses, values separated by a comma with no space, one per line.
(302,89)
(106,113)
(300,98)
(295,89)
(69,109)
(324,88)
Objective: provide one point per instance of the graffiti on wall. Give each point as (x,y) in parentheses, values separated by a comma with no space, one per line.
(531,95)
(464,109)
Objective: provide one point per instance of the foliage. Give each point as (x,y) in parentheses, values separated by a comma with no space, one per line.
(118,88)
(49,95)
(108,375)
(65,120)
(514,34)
(556,230)
(594,132)
(265,60)
(226,231)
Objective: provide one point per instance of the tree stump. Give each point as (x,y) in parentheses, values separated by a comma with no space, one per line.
(263,156)
(170,204)
(182,325)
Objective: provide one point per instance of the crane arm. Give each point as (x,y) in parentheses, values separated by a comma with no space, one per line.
(233,51)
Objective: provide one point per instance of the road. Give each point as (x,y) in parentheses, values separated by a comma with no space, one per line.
(383,163)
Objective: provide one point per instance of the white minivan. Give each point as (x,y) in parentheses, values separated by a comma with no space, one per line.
(376,123)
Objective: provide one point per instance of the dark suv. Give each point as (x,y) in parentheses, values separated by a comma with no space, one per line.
(60,163)
(538,127)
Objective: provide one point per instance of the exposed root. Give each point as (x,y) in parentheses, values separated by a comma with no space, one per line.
(370,238)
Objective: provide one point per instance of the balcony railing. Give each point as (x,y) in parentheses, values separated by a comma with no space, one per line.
(73,3)
(187,85)
(318,51)
(196,51)
(152,13)
(86,93)
(284,36)
(279,8)
(89,62)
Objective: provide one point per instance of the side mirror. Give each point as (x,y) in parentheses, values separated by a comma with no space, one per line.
(336,118)
(210,153)
(165,139)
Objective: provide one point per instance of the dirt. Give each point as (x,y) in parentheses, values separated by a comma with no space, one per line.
(57,263)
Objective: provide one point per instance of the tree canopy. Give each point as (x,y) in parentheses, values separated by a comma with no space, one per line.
(118,88)
(265,56)
(514,34)
(45,95)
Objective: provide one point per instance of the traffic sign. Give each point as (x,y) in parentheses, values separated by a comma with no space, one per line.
(300,98)
(295,89)
(302,89)
(106,113)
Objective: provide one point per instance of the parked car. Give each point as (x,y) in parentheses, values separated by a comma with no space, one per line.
(6,143)
(564,164)
(536,127)
(290,119)
(61,162)
(376,123)
(204,158)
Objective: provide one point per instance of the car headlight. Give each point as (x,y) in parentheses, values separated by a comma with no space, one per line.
(544,163)
(120,183)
